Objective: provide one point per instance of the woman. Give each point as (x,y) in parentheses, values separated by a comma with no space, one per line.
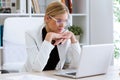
(51,47)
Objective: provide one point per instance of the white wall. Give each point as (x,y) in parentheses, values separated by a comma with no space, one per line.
(101,21)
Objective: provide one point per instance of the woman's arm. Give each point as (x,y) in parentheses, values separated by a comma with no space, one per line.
(74,53)
(74,50)
(37,56)
(38,53)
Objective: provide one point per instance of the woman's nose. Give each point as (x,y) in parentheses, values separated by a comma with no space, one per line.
(63,24)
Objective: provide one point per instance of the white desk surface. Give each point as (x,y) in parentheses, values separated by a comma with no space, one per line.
(112,74)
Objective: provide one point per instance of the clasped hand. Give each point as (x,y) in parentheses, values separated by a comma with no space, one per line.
(60,38)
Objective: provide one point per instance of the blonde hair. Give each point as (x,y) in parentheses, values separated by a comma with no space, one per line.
(56,8)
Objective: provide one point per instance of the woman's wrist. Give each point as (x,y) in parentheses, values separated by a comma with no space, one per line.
(73,39)
(48,37)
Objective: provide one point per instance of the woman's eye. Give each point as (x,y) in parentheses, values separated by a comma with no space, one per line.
(59,21)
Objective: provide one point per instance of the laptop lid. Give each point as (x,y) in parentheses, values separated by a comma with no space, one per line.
(94,60)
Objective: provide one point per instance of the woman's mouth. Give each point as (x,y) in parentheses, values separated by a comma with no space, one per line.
(60,30)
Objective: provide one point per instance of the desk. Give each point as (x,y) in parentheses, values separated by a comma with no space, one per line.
(1,51)
(112,74)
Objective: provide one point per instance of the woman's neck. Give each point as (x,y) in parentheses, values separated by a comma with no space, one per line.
(47,29)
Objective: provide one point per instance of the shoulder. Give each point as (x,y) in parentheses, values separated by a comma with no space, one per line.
(30,33)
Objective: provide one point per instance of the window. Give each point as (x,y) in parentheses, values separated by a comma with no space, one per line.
(116,16)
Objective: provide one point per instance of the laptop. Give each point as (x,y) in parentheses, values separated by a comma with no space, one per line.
(94,60)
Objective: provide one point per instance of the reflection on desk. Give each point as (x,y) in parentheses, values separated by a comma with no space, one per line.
(112,74)
(27,77)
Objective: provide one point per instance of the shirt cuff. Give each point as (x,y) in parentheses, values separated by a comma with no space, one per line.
(48,45)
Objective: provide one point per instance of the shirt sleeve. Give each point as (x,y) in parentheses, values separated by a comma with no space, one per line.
(73,55)
(37,56)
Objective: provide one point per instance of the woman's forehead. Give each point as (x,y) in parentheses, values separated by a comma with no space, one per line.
(65,15)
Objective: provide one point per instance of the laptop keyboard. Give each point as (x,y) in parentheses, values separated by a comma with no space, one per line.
(73,73)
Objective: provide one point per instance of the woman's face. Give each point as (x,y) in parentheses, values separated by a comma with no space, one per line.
(57,23)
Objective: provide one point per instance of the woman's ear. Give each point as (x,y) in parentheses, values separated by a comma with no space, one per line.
(46,18)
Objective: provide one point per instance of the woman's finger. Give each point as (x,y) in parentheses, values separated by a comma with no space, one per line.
(64,40)
(58,41)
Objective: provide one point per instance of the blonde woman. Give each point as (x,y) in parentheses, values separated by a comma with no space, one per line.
(51,47)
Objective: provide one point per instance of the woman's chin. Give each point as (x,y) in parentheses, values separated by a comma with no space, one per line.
(60,31)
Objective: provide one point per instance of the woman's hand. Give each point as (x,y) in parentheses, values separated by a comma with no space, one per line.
(69,35)
(57,37)
(60,37)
